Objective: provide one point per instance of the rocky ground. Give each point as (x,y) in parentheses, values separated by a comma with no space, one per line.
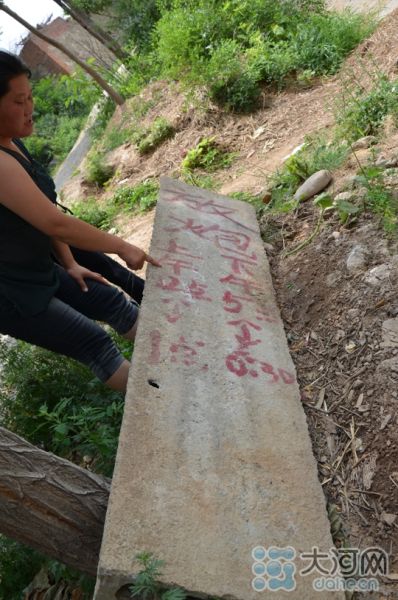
(338,295)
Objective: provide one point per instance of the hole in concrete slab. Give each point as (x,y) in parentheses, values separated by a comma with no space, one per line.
(153,383)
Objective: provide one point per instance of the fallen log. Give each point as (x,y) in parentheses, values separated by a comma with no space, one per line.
(51,504)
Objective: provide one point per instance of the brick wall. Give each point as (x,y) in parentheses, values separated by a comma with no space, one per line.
(43,59)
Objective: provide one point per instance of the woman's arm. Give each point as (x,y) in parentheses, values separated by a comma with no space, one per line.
(21,195)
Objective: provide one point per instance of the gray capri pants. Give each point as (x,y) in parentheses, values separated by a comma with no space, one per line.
(68,324)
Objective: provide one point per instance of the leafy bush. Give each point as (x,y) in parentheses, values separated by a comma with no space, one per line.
(142,197)
(55,402)
(229,80)
(207,155)
(160,131)
(98,215)
(18,566)
(361,112)
(230,47)
(97,171)
(62,105)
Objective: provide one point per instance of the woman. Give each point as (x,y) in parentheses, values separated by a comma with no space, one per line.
(44,303)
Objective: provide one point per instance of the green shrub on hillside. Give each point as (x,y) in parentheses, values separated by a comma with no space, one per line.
(207,155)
(361,112)
(142,197)
(98,172)
(153,137)
(232,46)
(98,215)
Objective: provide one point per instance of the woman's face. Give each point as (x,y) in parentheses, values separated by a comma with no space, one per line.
(16,108)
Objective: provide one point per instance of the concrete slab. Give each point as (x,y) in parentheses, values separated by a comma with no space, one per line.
(214,458)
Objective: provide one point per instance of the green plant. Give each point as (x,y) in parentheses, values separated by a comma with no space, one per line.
(362,111)
(85,430)
(379,198)
(62,105)
(229,80)
(160,131)
(142,197)
(201,180)
(18,566)
(146,585)
(344,208)
(316,154)
(230,47)
(97,171)
(98,215)
(255,201)
(54,402)
(207,155)
(115,137)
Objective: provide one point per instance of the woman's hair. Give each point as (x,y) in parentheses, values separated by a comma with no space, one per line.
(10,67)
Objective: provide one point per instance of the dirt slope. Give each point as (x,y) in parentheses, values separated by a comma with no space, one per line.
(333,319)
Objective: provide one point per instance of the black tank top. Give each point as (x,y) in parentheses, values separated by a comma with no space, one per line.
(28,278)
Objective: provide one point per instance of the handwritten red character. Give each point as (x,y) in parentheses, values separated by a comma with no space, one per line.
(169,286)
(249,285)
(183,352)
(240,265)
(155,338)
(197,291)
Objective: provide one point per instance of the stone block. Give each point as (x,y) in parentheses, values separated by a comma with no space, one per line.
(214,457)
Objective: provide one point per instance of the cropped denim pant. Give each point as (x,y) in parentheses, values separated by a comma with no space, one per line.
(68,326)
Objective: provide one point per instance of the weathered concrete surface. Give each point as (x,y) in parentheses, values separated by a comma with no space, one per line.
(214,455)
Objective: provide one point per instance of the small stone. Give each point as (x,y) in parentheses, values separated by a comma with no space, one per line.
(388,518)
(313,185)
(332,278)
(364,142)
(389,331)
(356,260)
(378,274)
(345,196)
(350,347)
(385,422)
(353,313)
(335,235)
(386,163)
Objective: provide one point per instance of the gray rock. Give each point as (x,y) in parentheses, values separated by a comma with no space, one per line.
(313,185)
(388,518)
(333,278)
(386,163)
(364,142)
(345,196)
(377,275)
(356,260)
(353,313)
(389,331)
